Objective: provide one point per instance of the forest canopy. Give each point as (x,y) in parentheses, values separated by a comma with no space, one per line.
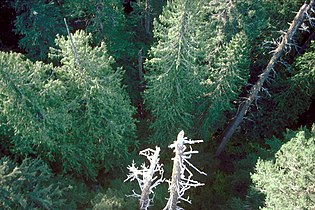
(86,85)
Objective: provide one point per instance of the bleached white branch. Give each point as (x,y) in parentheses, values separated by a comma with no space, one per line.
(182,175)
(146,176)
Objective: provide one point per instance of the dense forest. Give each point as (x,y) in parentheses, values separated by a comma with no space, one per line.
(88,89)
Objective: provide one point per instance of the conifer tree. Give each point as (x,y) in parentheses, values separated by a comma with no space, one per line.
(226,74)
(283,47)
(38,22)
(288,180)
(173,81)
(76,115)
(96,97)
(223,54)
(106,21)
(294,99)
(29,185)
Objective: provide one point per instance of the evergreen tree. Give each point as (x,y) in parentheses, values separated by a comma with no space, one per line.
(226,75)
(288,180)
(292,95)
(76,116)
(220,67)
(38,22)
(262,21)
(124,34)
(173,81)
(29,185)
(95,97)
(105,20)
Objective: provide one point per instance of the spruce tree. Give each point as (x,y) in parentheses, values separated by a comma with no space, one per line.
(288,180)
(292,95)
(37,22)
(226,74)
(95,96)
(173,82)
(76,116)
(29,185)
(223,53)
(106,21)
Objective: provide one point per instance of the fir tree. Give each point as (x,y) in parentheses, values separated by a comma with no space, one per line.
(106,21)
(95,97)
(226,75)
(292,96)
(29,185)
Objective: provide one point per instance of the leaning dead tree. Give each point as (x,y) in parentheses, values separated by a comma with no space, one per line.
(147,17)
(283,46)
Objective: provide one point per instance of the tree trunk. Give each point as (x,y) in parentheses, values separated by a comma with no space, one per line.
(286,41)
(176,173)
(147,17)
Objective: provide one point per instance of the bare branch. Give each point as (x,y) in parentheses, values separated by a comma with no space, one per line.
(181,175)
(145,176)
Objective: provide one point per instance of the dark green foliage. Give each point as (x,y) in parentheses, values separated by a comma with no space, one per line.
(79,193)
(74,115)
(29,185)
(288,181)
(226,75)
(95,97)
(292,95)
(252,16)
(209,54)
(106,21)
(17,94)
(38,22)
(260,18)
(277,107)
(123,34)
(253,200)
(117,195)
